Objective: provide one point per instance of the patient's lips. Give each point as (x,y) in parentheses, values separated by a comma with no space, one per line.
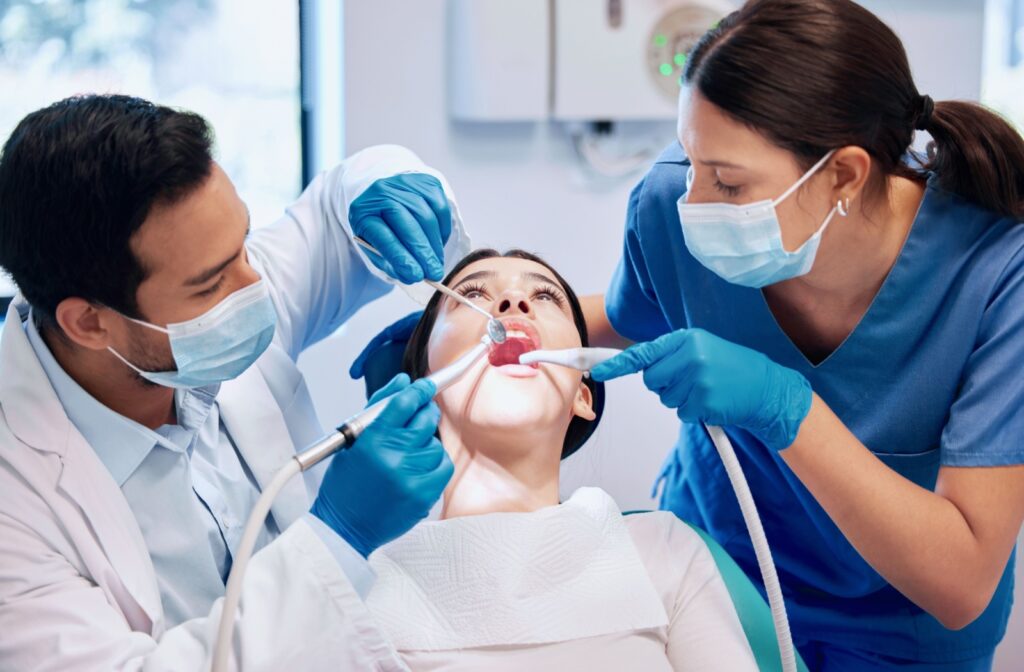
(521,337)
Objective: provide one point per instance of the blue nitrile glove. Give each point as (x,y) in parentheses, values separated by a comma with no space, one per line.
(381,359)
(407,219)
(711,380)
(392,475)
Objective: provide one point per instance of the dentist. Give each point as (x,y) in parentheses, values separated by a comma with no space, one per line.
(148,390)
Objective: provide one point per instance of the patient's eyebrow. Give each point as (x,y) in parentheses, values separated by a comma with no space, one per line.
(474,276)
(540,277)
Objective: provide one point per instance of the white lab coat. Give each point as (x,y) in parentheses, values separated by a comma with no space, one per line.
(77,587)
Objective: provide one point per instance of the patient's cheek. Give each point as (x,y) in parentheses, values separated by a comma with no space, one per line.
(447,343)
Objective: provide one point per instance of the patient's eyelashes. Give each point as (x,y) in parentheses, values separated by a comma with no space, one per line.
(472,290)
(549,293)
(541,293)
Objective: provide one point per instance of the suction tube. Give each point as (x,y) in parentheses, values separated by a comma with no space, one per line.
(584,359)
(343,437)
(761,549)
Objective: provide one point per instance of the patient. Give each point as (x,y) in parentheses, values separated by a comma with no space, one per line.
(510,577)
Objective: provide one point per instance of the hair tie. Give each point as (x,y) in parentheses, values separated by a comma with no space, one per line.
(926,107)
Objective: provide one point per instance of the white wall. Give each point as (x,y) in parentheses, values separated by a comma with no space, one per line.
(519,185)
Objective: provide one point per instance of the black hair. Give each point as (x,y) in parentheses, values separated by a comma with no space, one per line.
(415,360)
(815,75)
(77,180)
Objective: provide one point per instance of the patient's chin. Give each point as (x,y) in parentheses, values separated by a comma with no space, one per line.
(501,405)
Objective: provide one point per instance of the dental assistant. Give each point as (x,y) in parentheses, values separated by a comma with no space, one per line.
(853,317)
(149,390)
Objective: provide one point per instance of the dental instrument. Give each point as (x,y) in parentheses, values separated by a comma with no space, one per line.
(585,359)
(495,329)
(342,438)
(581,359)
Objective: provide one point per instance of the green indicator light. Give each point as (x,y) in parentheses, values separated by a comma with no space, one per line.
(660,40)
(665,69)
(680,59)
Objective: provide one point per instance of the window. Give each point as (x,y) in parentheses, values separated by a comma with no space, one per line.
(1003,77)
(236,65)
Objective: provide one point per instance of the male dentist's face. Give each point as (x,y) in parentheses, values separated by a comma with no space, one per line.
(193,252)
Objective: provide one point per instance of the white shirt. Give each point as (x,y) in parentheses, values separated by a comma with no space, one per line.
(564,588)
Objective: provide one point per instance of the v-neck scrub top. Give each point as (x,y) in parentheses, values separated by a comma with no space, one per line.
(932,375)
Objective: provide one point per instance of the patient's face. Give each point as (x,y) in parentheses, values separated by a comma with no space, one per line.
(498,393)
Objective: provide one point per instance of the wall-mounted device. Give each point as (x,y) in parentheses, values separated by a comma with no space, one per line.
(611,60)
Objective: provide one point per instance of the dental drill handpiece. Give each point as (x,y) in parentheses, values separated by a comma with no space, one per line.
(350,430)
(344,437)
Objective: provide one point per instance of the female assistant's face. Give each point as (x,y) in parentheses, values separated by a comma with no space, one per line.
(498,393)
(732,163)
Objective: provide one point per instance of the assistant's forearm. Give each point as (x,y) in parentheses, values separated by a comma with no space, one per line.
(599,328)
(918,540)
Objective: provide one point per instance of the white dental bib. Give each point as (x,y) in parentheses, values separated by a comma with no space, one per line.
(562,573)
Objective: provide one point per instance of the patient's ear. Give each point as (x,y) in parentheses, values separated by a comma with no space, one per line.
(583,404)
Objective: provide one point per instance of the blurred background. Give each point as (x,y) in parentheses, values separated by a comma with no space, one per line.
(542,114)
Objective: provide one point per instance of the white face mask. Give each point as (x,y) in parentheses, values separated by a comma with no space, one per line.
(219,344)
(743,243)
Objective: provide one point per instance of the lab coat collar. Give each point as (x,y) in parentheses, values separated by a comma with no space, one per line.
(248,409)
(25,393)
(35,416)
(120,443)
(256,424)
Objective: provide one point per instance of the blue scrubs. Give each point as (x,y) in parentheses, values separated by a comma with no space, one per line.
(931,376)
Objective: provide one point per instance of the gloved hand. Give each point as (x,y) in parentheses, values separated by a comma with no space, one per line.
(711,380)
(387,481)
(407,219)
(383,354)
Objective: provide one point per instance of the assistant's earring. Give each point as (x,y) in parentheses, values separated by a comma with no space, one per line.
(843,207)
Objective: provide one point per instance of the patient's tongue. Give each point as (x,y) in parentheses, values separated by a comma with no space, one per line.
(509,351)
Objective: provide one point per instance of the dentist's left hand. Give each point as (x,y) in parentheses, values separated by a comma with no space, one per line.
(392,475)
(407,219)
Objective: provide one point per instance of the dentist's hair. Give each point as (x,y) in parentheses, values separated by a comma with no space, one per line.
(815,75)
(77,180)
(415,361)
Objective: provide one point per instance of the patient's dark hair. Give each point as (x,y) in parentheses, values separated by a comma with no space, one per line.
(415,361)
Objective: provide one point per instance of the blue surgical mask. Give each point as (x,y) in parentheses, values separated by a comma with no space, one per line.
(219,344)
(743,243)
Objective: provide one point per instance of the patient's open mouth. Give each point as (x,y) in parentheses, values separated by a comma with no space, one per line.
(521,337)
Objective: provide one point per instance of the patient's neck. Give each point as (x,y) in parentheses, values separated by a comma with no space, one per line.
(509,472)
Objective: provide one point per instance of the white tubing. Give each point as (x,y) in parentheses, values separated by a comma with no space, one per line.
(760,541)
(233,593)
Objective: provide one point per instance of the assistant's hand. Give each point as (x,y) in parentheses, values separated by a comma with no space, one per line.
(407,219)
(711,380)
(397,333)
(387,481)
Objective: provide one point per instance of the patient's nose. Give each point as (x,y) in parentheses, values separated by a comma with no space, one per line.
(514,303)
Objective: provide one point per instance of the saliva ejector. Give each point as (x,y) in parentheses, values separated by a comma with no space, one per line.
(585,359)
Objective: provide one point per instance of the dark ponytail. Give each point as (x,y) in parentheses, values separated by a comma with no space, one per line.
(814,75)
(978,155)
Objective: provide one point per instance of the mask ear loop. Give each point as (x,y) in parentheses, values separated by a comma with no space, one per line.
(806,176)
